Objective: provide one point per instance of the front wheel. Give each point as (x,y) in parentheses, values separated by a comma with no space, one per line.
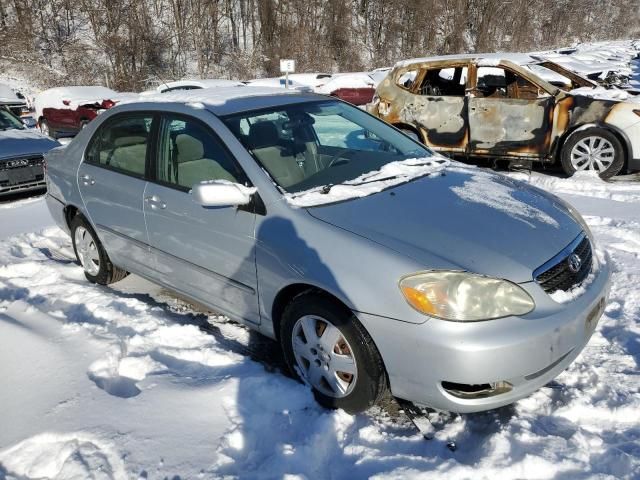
(327,348)
(593,149)
(91,254)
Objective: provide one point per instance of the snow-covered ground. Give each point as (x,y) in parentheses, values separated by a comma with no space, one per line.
(132,382)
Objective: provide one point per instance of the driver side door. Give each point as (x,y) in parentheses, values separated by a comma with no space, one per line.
(207,253)
(509,115)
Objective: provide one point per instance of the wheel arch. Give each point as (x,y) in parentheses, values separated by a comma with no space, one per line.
(619,134)
(288,293)
(70,212)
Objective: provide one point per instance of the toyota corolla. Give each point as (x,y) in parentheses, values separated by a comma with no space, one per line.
(377,264)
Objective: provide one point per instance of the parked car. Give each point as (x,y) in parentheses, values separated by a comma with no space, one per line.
(355,88)
(21,155)
(195,84)
(376,263)
(279,83)
(64,111)
(488,106)
(13,100)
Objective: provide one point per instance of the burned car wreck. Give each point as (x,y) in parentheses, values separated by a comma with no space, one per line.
(512,107)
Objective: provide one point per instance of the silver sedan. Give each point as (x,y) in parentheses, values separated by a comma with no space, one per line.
(376,263)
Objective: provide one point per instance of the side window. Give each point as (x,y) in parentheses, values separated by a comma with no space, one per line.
(447,82)
(190,153)
(121,144)
(407,79)
(495,82)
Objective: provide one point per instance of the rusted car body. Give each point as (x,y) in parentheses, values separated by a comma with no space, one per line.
(489,106)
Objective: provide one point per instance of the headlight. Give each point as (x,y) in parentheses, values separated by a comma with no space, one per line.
(463,296)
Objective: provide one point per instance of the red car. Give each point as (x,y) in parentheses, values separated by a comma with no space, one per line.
(355,88)
(65,111)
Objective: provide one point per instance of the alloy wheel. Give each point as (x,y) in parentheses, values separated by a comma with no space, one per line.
(592,153)
(324,357)
(87,251)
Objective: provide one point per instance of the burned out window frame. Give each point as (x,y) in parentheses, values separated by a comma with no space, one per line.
(417,85)
(473,77)
(407,69)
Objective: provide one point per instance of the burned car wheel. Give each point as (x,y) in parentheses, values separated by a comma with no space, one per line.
(91,255)
(593,149)
(327,348)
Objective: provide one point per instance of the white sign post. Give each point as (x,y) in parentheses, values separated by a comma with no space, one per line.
(287,66)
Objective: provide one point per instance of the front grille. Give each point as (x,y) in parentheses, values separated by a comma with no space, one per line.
(21,172)
(561,276)
(21,162)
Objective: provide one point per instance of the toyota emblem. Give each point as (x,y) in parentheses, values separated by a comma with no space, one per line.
(574,262)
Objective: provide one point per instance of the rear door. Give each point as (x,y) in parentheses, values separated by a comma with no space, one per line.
(112,182)
(509,115)
(206,253)
(439,106)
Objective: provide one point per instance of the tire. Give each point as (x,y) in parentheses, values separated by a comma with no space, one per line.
(353,349)
(91,254)
(593,149)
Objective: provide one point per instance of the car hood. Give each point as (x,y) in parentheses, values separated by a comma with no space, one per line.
(15,143)
(463,218)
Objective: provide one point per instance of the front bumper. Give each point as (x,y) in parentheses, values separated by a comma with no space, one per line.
(525,352)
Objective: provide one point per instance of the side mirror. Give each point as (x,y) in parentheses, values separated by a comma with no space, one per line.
(221,193)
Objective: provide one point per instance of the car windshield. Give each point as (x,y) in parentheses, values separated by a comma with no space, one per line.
(9,121)
(314,144)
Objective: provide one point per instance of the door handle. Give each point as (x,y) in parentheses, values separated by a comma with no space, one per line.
(155,201)
(87,180)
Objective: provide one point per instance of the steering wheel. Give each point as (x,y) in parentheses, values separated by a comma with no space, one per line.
(339,155)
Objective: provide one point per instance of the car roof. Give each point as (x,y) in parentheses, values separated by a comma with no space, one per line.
(227,100)
(202,83)
(515,57)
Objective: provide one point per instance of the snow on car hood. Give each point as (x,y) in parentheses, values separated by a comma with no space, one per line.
(601,93)
(16,142)
(476,220)
(389,175)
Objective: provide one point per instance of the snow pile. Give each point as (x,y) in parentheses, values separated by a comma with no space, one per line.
(585,183)
(66,456)
(389,175)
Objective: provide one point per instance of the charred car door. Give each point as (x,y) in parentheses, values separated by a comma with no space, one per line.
(509,115)
(439,107)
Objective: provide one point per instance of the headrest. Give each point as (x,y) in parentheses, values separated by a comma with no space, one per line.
(128,141)
(263,134)
(189,148)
